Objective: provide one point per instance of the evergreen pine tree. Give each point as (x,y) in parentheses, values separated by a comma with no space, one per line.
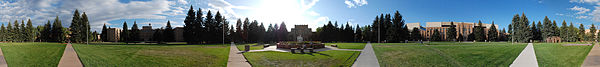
(415,34)
(103,34)
(76,23)
(169,33)
(134,34)
(436,35)
(451,32)
(58,34)
(190,26)
(564,30)
(30,31)
(124,34)
(581,33)
(493,33)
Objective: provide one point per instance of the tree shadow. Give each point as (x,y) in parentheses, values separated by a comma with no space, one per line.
(313,53)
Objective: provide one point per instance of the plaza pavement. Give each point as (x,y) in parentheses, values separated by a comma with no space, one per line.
(527,58)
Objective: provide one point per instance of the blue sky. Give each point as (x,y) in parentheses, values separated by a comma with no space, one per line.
(311,12)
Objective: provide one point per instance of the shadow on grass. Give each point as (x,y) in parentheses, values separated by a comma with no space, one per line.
(156,44)
(312,53)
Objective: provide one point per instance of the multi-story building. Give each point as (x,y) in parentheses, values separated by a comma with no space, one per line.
(179,34)
(301,30)
(113,34)
(146,33)
(462,28)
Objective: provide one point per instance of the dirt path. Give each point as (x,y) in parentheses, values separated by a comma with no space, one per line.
(70,58)
(236,59)
(593,58)
(527,58)
(366,58)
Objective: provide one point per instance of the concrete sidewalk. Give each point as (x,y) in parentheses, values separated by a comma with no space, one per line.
(70,58)
(2,60)
(236,58)
(366,58)
(527,58)
(593,57)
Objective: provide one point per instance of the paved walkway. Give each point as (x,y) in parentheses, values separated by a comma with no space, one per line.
(593,58)
(2,60)
(70,58)
(366,58)
(236,58)
(526,58)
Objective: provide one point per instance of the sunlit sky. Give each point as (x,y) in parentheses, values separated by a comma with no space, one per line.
(314,13)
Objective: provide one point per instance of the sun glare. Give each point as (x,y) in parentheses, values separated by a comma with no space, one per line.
(276,11)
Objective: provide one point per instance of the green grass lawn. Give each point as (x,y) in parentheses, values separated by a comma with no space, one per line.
(331,58)
(556,55)
(153,55)
(32,54)
(447,54)
(252,47)
(348,45)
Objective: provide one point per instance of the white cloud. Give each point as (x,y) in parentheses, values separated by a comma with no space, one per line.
(582,17)
(584,1)
(355,3)
(98,11)
(559,14)
(595,14)
(580,10)
(182,1)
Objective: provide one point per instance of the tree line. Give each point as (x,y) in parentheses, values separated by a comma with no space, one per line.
(541,31)
(78,32)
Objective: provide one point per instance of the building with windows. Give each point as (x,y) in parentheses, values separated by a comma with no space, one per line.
(179,34)
(301,30)
(147,33)
(113,34)
(462,28)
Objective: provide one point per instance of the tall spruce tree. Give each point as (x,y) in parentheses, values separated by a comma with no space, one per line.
(76,26)
(283,32)
(58,34)
(169,33)
(29,34)
(493,33)
(581,33)
(22,32)
(415,34)
(564,31)
(104,33)
(9,32)
(134,34)
(479,32)
(124,36)
(2,33)
(16,32)
(547,28)
(436,35)
(85,28)
(47,32)
(573,37)
(451,32)
(190,27)
(358,36)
